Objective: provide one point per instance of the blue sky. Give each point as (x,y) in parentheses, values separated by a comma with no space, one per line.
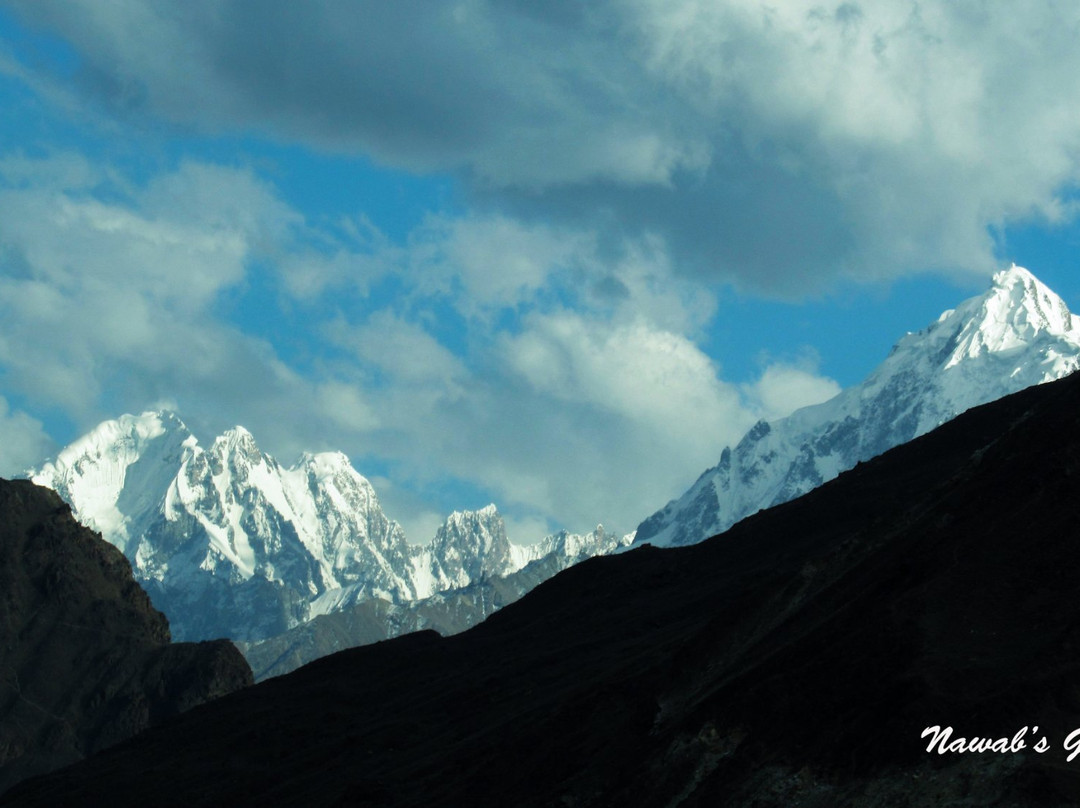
(554,256)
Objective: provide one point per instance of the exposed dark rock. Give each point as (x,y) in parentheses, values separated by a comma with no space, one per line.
(794,660)
(85,660)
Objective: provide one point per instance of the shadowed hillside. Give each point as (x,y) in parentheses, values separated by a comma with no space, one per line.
(86,660)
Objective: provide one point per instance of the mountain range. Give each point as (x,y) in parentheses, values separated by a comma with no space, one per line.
(797,659)
(294,563)
(230,543)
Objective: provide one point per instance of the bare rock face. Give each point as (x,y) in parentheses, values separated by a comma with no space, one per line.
(85,660)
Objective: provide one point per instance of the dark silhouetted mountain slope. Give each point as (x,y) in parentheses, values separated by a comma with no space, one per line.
(369,621)
(795,659)
(85,661)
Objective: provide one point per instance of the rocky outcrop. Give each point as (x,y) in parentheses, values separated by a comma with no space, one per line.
(85,660)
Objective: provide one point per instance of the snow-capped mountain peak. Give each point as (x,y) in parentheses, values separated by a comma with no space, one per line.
(1017,310)
(1017,334)
(202,525)
(471,545)
(236,438)
(325,464)
(118,443)
(94,470)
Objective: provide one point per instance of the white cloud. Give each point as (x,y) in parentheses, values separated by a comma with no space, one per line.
(643,283)
(778,145)
(611,419)
(345,407)
(91,288)
(181,240)
(400,349)
(654,377)
(23,441)
(309,273)
(783,388)
(497,260)
(591,402)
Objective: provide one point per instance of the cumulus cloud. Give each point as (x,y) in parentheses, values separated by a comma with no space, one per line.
(778,146)
(541,340)
(570,389)
(400,349)
(656,377)
(495,261)
(111,295)
(88,283)
(23,441)
(549,409)
(784,387)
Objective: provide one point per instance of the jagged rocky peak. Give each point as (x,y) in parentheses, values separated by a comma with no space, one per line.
(227,541)
(331,486)
(1016,334)
(327,464)
(237,441)
(471,544)
(335,468)
(136,429)
(571,548)
(1027,301)
(487,519)
(109,475)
